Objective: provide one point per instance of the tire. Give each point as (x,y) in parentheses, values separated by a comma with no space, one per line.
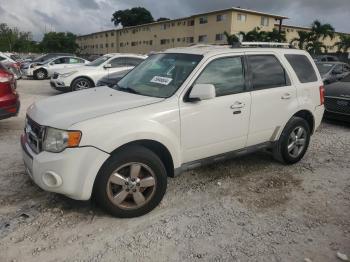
(40,74)
(127,201)
(81,83)
(294,141)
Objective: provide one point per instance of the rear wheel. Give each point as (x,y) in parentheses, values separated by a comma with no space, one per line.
(294,141)
(131,183)
(81,84)
(40,74)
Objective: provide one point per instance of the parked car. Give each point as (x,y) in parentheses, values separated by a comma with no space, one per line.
(14,68)
(43,58)
(9,99)
(87,76)
(326,58)
(178,110)
(46,69)
(337,100)
(333,71)
(112,79)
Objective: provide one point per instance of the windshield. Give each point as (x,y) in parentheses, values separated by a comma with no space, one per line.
(160,75)
(99,61)
(324,68)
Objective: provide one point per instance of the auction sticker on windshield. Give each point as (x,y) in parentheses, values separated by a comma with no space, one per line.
(161,80)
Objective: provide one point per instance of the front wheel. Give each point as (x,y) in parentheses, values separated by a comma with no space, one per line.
(81,84)
(294,141)
(40,74)
(131,183)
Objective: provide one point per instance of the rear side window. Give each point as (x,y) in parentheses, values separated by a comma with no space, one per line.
(267,72)
(302,67)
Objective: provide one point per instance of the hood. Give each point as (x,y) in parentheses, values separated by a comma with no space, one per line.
(338,89)
(62,111)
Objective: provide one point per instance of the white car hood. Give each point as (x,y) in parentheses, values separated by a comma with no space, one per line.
(62,111)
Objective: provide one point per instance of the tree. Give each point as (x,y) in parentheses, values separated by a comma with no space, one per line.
(344,43)
(302,39)
(275,36)
(231,39)
(320,30)
(59,42)
(132,17)
(162,19)
(316,47)
(8,37)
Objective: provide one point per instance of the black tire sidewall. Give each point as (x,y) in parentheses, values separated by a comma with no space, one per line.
(131,154)
(79,79)
(36,74)
(291,125)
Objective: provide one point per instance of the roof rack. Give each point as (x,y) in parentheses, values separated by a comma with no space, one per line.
(265,44)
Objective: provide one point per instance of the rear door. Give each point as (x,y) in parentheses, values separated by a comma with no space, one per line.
(274,98)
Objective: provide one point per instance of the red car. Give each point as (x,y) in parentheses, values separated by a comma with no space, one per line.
(9,99)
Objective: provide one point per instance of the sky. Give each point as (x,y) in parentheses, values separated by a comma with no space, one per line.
(88,16)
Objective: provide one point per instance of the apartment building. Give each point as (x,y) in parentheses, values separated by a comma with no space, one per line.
(292,32)
(206,28)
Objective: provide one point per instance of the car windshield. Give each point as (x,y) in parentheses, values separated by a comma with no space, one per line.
(160,75)
(324,68)
(99,61)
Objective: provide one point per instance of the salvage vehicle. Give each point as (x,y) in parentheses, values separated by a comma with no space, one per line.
(112,79)
(46,69)
(333,71)
(178,110)
(87,76)
(337,100)
(9,99)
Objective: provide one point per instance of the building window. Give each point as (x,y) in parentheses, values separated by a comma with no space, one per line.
(219,37)
(121,44)
(264,21)
(101,35)
(203,39)
(112,33)
(106,45)
(203,20)
(190,40)
(190,23)
(133,43)
(112,44)
(163,41)
(106,34)
(242,17)
(151,42)
(220,18)
(101,45)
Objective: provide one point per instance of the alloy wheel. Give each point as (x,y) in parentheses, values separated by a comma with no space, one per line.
(131,186)
(82,84)
(297,141)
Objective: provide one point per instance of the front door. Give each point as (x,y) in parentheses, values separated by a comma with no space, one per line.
(220,125)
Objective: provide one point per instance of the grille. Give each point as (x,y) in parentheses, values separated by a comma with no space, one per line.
(337,105)
(35,134)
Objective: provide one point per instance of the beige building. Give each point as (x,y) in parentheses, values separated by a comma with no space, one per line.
(207,28)
(292,33)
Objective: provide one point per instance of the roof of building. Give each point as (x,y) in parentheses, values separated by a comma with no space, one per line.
(304,28)
(238,9)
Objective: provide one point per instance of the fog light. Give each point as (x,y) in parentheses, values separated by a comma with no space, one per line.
(51,179)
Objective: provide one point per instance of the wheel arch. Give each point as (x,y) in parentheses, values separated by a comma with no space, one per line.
(156,147)
(84,76)
(309,118)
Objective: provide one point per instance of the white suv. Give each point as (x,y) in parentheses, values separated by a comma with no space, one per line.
(177,110)
(87,76)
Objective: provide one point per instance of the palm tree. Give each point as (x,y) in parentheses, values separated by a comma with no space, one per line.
(231,39)
(254,35)
(315,47)
(320,30)
(275,36)
(344,43)
(302,39)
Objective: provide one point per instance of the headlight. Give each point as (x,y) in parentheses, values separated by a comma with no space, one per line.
(68,74)
(57,140)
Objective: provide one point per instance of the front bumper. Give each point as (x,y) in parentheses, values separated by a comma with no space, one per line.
(71,172)
(59,85)
(10,111)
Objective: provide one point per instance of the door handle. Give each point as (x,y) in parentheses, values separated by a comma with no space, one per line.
(237,105)
(286,96)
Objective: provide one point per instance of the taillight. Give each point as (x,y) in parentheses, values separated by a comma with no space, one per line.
(322,91)
(5,78)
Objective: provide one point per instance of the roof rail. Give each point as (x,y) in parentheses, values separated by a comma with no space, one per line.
(266,44)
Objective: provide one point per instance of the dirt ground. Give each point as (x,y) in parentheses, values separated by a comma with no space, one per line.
(246,209)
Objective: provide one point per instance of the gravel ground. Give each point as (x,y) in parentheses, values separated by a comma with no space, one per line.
(248,209)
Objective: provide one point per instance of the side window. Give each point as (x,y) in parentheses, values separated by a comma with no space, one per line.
(2,58)
(62,60)
(346,68)
(338,69)
(302,67)
(226,74)
(131,61)
(117,62)
(267,72)
(73,60)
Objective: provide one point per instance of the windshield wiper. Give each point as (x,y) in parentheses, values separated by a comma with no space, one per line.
(127,89)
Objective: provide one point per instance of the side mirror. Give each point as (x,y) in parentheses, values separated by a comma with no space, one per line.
(106,66)
(202,92)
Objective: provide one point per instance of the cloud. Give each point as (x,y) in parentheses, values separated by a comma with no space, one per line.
(86,16)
